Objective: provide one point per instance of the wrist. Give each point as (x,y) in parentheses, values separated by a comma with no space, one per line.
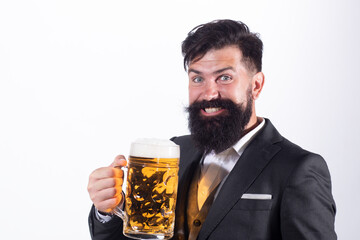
(105,213)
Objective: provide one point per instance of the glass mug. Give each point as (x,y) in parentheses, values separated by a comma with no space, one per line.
(151,189)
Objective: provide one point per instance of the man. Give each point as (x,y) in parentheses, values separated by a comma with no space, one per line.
(238,178)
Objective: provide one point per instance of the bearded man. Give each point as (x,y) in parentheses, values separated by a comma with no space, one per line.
(238,178)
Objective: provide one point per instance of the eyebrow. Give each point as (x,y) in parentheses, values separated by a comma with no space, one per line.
(224,69)
(216,72)
(194,71)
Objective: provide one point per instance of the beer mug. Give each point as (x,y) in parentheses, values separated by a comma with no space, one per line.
(151,189)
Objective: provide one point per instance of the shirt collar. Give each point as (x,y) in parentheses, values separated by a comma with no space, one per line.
(240,146)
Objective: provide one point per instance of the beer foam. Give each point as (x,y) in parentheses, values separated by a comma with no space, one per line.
(154,148)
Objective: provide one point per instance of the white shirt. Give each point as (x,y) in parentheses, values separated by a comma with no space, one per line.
(225,162)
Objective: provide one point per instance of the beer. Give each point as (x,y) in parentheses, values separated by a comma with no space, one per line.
(151,195)
(151,190)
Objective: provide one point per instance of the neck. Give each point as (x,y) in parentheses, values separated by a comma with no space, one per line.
(253,123)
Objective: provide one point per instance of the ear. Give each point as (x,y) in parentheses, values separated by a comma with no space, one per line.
(257,84)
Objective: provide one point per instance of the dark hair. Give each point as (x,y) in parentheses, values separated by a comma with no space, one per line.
(221,33)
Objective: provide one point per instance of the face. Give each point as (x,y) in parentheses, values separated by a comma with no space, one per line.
(221,74)
(221,94)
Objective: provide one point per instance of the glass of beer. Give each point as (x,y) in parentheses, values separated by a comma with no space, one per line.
(151,189)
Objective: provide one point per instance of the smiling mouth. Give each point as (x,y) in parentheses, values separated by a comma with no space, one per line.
(212,111)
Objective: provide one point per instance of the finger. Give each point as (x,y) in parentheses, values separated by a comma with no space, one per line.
(106,194)
(109,204)
(107,183)
(106,172)
(98,184)
(119,161)
(118,173)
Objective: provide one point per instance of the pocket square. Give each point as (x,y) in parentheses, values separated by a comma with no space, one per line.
(256,196)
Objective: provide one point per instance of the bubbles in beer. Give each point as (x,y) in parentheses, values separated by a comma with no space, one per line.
(151,196)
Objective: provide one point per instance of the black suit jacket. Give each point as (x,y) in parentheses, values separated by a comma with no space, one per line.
(301,206)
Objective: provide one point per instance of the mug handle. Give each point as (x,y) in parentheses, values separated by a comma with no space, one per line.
(117,210)
(120,213)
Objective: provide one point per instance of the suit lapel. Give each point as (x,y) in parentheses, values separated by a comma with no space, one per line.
(251,163)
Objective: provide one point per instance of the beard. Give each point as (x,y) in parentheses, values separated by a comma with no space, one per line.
(218,133)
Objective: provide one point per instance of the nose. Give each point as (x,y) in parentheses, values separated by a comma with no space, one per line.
(211,91)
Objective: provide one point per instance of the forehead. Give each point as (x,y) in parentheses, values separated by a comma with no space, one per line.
(229,56)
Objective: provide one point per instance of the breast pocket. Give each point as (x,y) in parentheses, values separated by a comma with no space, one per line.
(253,217)
(253,205)
(248,219)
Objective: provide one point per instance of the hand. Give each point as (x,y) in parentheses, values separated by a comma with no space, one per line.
(105,185)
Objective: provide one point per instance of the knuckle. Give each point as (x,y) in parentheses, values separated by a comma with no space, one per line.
(90,187)
(113,182)
(109,172)
(91,177)
(113,191)
(94,172)
(93,198)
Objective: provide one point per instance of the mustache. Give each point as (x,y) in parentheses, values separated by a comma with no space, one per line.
(214,103)
(219,132)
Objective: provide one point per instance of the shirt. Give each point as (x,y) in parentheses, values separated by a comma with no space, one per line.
(221,165)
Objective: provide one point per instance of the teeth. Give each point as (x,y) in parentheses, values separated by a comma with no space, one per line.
(211,110)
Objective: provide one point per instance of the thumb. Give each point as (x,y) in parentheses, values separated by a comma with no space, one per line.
(119,161)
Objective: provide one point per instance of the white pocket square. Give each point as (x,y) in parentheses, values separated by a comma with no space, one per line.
(256,196)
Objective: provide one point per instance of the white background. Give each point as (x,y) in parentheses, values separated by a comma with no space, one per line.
(79,80)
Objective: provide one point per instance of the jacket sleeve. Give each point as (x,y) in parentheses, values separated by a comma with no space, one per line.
(307,208)
(112,230)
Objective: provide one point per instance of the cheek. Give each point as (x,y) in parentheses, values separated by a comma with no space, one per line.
(234,93)
(194,94)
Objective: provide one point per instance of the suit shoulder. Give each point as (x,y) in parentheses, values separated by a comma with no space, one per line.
(295,151)
(300,159)
(183,141)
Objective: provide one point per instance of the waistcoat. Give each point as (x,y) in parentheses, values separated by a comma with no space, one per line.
(195,216)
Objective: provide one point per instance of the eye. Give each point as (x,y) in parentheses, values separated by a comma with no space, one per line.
(225,78)
(197,80)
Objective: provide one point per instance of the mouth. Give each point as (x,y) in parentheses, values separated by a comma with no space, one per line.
(212,111)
